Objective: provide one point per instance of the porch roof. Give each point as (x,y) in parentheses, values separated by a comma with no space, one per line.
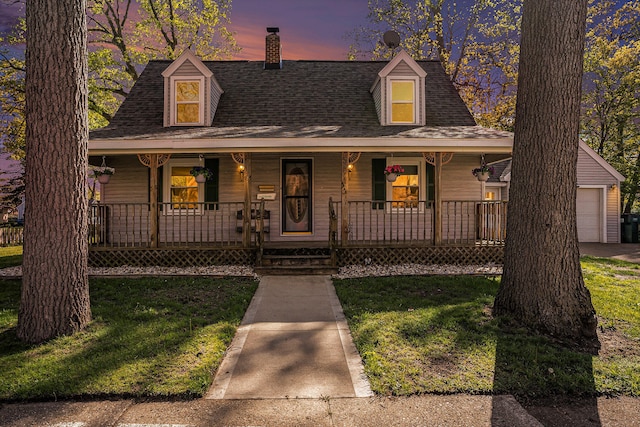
(216,140)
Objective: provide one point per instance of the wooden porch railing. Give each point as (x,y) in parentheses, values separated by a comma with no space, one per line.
(187,225)
(375,223)
(11,236)
(369,223)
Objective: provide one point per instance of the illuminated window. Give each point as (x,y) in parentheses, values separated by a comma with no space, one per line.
(405,190)
(180,187)
(189,101)
(403,101)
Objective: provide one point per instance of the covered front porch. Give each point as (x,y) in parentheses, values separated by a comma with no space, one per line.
(318,195)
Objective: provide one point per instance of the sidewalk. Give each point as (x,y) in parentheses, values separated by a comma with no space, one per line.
(454,411)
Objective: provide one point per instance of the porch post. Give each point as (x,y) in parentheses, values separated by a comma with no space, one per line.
(246,218)
(437,222)
(344,199)
(153,200)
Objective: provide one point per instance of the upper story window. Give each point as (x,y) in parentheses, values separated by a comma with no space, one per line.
(188,96)
(403,101)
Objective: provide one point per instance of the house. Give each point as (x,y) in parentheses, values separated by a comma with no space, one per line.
(297,152)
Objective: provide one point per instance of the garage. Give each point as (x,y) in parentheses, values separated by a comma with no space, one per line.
(589,214)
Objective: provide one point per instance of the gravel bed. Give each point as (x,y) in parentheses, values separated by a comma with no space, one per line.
(217,270)
(352,271)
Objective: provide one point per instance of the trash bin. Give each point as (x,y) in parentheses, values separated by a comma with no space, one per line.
(627,228)
(630,228)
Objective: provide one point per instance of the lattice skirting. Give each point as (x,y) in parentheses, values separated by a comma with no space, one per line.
(459,255)
(171,257)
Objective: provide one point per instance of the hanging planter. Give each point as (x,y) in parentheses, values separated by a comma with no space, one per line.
(102,173)
(104,178)
(201,174)
(483,173)
(392,172)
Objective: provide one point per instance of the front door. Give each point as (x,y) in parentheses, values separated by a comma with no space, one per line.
(296,199)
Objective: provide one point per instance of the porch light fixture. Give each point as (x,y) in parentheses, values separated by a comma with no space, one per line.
(350,167)
(241,169)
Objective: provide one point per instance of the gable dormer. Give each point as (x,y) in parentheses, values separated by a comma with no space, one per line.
(399,92)
(191,92)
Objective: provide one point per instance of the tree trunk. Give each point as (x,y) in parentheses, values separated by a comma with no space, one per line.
(55,290)
(542,284)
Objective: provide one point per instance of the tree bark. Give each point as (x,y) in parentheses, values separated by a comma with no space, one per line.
(55,290)
(542,284)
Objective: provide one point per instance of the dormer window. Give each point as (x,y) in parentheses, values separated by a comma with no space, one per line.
(189,101)
(399,92)
(191,92)
(403,101)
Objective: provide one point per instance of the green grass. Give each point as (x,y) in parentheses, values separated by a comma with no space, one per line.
(10,256)
(148,337)
(436,335)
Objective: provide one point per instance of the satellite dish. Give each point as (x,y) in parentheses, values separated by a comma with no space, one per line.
(391,39)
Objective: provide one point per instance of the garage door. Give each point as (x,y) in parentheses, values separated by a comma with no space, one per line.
(589,214)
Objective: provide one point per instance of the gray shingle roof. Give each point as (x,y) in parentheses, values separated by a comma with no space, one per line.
(304,98)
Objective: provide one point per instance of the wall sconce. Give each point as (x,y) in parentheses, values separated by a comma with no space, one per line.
(350,167)
(241,170)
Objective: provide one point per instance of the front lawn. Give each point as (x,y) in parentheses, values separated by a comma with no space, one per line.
(437,335)
(10,256)
(148,337)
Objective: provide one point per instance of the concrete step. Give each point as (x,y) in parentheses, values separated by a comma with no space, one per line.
(295,270)
(295,260)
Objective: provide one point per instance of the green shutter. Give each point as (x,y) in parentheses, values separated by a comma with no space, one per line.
(379,182)
(431,185)
(211,187)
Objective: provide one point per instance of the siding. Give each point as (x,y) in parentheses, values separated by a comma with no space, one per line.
(187,69)
(402,69)
(377,98)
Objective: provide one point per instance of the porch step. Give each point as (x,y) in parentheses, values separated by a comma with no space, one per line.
(295,270)
(295,260)
(281,263)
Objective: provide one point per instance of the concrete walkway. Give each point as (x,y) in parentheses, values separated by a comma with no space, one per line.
(623,251)
(294,342)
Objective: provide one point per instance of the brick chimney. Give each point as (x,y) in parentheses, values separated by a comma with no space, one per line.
(273,55)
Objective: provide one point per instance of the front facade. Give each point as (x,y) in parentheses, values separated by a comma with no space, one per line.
(297,152)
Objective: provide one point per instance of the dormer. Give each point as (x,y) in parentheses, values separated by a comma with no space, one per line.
(399,92)
(191,92)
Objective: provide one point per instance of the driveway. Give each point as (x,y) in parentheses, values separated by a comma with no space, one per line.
(622,251)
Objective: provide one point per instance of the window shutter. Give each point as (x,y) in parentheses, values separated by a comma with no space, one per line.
(379,182)
(431,185)
(211,187)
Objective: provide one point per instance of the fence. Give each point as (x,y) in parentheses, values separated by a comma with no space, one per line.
(179,225)
(380,223)
(11,236)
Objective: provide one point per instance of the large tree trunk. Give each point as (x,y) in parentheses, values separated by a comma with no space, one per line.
(55,290)
(542,284)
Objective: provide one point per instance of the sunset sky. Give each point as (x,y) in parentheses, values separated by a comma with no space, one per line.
(309,29)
